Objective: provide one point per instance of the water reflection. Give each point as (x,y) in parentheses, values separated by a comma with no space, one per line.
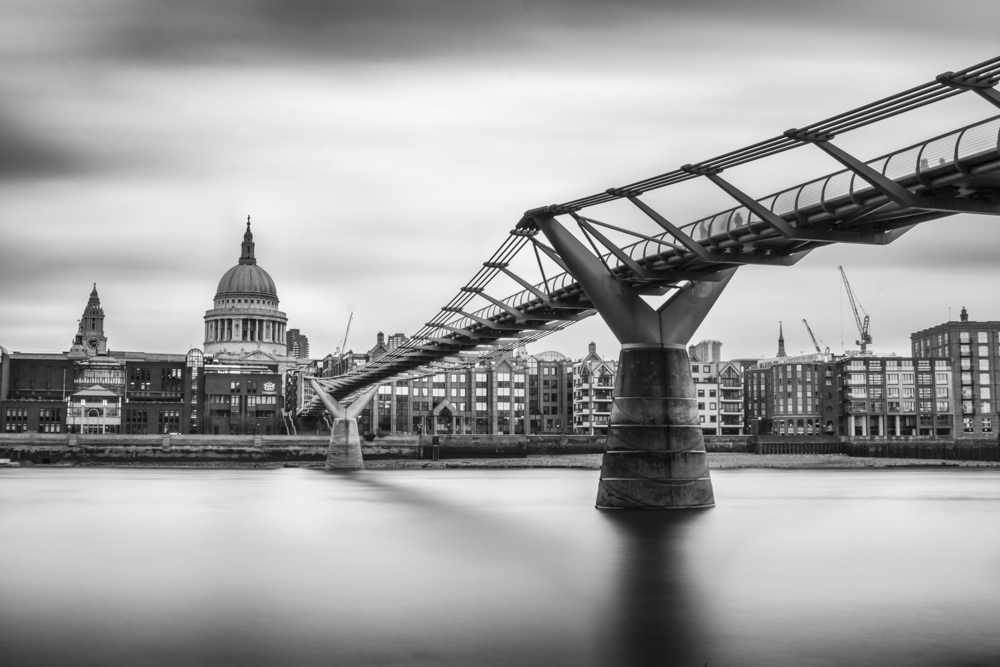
(654,618)
(492,567)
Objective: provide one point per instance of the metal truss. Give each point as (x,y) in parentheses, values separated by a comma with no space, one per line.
(870,202)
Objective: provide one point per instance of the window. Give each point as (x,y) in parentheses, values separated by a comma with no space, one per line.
(983,351)
(987,425)
(943,406)
(984,364)
(893,392)
(711,393)
(907,378)
(892,378)
(908,392)
(984,392)
(234,387)
(941,392)
(963,337)
(874,378)
(985,406)
(967,425)
(981,337)
(941,378)
(701,393)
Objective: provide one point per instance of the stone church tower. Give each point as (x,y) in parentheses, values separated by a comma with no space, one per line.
(90,339)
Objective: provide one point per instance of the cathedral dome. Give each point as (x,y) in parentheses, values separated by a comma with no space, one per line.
(247,277)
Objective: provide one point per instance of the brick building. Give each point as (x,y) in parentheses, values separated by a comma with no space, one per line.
(973,351)
(858,396)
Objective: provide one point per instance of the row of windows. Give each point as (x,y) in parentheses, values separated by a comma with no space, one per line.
(986,425)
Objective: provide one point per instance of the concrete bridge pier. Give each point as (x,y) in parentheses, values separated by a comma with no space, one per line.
(655,454)
(344,452)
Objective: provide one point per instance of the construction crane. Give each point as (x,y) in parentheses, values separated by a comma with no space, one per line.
(342,348)
(815,344)
(866,338)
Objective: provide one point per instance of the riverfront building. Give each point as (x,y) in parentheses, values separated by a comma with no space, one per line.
(791,396)
(973,351)
(858,396)
(517,393)
(593,393)
(718,388)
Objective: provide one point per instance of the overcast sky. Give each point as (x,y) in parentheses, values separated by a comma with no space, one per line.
(384,150)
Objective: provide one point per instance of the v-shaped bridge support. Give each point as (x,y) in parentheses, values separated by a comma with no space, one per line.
(344,452)
(655,453)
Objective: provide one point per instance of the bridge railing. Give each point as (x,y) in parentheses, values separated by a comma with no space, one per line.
(932,163)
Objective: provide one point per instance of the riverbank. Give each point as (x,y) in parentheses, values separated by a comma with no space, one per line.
(716,461)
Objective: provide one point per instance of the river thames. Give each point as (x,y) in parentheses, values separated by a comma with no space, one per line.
(144,567)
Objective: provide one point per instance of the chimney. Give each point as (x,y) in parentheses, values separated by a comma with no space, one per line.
(964,315)
(592,348)
(381,338)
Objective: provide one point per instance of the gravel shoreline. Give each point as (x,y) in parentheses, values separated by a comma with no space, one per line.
(716,461)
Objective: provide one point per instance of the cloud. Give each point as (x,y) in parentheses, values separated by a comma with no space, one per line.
(28,154)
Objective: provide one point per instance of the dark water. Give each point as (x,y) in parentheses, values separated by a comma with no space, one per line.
(471,567)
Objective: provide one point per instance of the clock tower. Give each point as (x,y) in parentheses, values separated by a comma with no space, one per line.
(90,338)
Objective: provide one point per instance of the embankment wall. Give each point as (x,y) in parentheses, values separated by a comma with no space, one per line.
(54,448)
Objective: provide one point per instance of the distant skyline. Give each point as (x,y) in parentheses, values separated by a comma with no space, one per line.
(384,149)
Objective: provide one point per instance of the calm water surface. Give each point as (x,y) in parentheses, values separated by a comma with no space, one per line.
(145,567)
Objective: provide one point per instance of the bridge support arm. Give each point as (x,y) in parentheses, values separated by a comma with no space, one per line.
(344,452)
(655,453)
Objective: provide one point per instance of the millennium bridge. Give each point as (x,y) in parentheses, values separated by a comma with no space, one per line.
(655,454)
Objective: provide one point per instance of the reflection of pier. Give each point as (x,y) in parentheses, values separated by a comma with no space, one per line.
(655,455)
(654,619)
